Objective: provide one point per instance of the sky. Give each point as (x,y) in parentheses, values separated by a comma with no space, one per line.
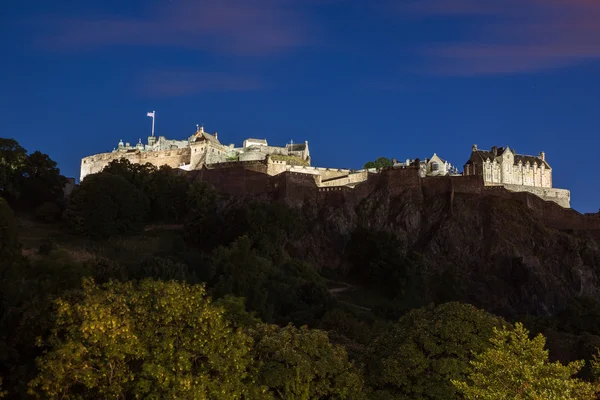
(356,79)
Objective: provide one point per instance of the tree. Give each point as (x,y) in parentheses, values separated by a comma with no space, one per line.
(167,192)
(32,179)
(136,174)
(150,339)
(240,271)
(12,161)
(303,364)
(104,205)
(516,367)
(42,181)
(379,163)
(417,356)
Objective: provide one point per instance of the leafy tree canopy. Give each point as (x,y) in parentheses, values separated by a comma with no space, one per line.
(516,367)
(426,348)
(150,339)
(104,205)
(379,163)
(12,162)
(33,179)
(165,189)
(298,363)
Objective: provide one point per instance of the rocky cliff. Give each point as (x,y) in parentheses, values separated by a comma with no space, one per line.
(495,251)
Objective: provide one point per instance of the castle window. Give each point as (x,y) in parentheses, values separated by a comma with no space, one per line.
(435,166)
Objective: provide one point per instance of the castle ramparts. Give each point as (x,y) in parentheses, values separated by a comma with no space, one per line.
(297,189)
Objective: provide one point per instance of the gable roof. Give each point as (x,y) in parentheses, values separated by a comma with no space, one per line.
(479,156)
(201,135)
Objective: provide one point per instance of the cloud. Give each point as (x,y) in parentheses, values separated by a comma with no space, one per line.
(241,27)
(513,36)
(181,82)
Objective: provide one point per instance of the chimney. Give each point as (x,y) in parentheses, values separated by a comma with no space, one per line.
(474,148)
(542,156)
(494,151)
(216,135)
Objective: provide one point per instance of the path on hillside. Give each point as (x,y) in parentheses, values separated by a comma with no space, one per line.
(345,286)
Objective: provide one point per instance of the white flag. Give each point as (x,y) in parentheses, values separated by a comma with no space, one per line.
(151,114)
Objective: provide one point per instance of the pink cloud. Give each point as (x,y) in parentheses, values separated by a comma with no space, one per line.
(242,27)
(512,36)
(180,82)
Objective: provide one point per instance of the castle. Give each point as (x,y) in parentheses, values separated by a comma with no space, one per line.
(202,148)
(516,172)
(498,168)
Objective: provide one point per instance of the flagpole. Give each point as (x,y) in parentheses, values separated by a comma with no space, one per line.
(153,117)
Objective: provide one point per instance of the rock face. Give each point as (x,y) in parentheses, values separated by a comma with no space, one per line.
(502,257)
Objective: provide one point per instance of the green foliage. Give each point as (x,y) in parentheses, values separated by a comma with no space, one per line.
(377,260)
(139,175)
(148,340)
(292,291)
(581,315)
(419,355)
(12,161)
(42,181)
(27,289)
(379,163)
(271,226)
(240,271)
(303,364)
(165,189)
(9,242)
(235,312)
(163,269)
(204,226)
(32,180)
(516,367)
(104,205)
(167,192)
(291,160)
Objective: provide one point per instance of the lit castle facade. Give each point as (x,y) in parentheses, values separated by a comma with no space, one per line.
(498,166)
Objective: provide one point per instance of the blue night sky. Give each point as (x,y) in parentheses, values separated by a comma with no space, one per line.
(357,79)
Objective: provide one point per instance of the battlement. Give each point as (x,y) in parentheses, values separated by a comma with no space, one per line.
(174,158)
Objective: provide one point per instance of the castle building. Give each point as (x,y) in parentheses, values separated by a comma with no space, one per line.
(518,173)
(202,148)
(434,166)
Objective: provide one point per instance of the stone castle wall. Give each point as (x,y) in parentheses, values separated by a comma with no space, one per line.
(297,189)
(173,158)
(561,197)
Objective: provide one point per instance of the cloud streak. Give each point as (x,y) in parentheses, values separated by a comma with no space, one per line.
(513,36)
(239,27)
(182,82)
